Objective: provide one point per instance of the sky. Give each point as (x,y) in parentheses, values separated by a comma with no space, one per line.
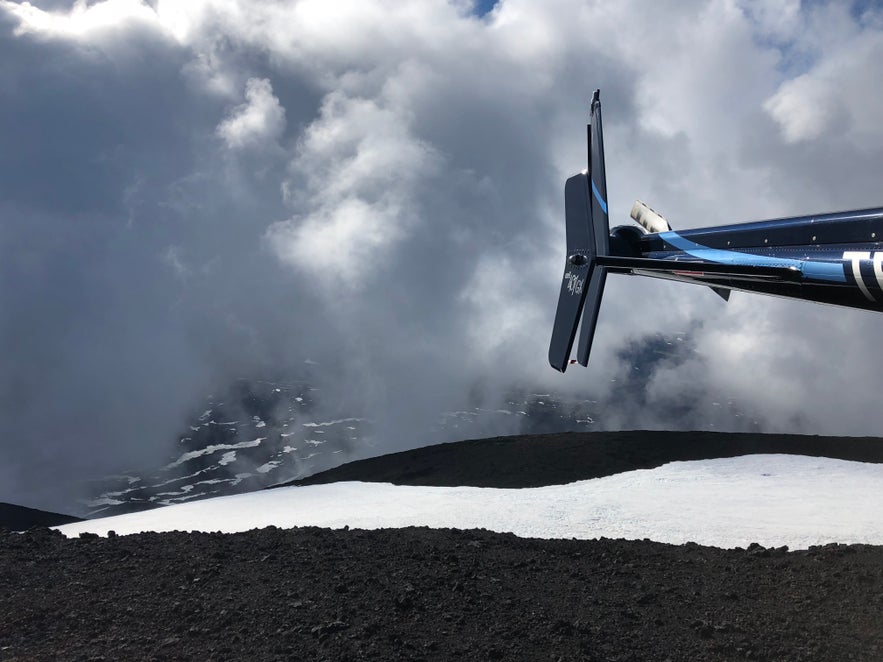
(196,191)
(772,500)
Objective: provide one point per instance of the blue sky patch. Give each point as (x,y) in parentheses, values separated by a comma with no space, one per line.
(483,7)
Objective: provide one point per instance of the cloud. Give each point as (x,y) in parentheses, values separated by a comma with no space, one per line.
(84,21)
(258,121)
(198,191)
(354,177)
(835,95)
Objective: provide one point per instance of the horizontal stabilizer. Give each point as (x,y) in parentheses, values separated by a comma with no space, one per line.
(698,269)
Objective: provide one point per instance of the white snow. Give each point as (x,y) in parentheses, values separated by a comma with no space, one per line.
(335,422)
(103,501)
(177,499)
(181,478)
(214,448)
(731,502)
(129,479)
(184,490)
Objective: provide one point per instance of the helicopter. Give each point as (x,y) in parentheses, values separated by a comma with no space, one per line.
(832,258)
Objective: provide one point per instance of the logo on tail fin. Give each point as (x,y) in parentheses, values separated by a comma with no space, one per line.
(574,283)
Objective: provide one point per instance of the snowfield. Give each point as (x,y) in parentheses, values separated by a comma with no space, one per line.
(773,500)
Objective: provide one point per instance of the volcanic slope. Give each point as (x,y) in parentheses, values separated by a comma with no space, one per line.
(20,518)
(554,459)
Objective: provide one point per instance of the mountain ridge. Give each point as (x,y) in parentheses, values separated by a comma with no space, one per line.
(22,518)
(557,458)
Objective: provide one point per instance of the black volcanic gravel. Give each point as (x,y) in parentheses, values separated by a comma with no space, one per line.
(422,594)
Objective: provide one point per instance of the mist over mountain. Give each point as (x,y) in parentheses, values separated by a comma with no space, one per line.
(262,432)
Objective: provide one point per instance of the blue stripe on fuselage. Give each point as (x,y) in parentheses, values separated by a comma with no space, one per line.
(831,271)
(599,198)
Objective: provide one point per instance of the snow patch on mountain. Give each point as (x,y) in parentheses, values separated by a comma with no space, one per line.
(774,500)
(214,448)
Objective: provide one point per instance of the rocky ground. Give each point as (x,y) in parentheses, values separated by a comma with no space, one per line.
(422,594)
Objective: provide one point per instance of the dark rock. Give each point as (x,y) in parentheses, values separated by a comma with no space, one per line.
(508,598)
(20,518)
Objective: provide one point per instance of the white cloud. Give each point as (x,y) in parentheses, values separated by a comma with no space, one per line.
(84,20)
(839,95)
(802,108)
(261,119)
(354,176)
(341,245)
(496,325)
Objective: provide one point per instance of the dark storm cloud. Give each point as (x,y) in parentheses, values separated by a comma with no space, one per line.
(134,278)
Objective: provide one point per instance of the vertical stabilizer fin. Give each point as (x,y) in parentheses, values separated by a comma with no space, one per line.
(600,231)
